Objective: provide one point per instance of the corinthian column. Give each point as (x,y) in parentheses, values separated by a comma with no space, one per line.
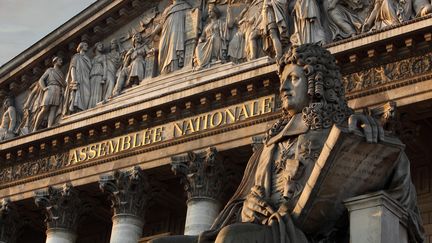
(10,222)
(62,209)
(203,179)
(129,193)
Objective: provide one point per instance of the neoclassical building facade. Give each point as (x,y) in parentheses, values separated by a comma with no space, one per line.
(136,118)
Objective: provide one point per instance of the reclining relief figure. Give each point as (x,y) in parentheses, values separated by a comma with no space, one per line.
(313,101)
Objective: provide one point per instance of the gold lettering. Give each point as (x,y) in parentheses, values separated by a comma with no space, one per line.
(83,154)
(219,120)
(267,105)
(158,134)
(148,136)
(243,113)
(74,157)
(198,124)
(229,113)
(111,148)
(254,105)
(92,152)
(125,143)
(134,141)
(102,149)
(189,128)
(178,129)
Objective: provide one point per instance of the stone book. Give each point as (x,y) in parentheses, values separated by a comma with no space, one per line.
(348,166)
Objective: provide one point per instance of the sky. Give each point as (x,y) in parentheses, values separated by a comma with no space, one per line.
(24,22)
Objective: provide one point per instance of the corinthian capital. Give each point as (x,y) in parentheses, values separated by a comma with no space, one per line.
(10,221)
(202,173)
(129,191)
(62,206)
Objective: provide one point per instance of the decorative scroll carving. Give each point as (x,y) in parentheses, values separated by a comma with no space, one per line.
(201,173)
(62,206)
(10,221)
(34,167)
(387,73)
(129,191)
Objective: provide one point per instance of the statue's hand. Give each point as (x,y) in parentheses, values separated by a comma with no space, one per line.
(255,208)
(366,125)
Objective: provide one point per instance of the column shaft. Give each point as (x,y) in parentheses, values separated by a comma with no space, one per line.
(59,235)
(201,212)
(126,228)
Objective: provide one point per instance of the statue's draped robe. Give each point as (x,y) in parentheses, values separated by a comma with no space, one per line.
(275,17)
(79,98)
(342,21)
(173,34)
(215,41)
(282,229)
(8,123)
(307,23)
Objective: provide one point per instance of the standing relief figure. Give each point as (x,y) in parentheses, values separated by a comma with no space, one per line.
(52,85)
(342,21)
(31,109)
(307,23)
(132,70)
(98,75)
(391,12)
(172,36)
(78,92)
(212,45)
(9,120)
(274,25)
(114,59)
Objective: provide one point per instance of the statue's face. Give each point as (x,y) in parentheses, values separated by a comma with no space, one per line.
(100,46)
(113,45)
(293,89)
(59,62)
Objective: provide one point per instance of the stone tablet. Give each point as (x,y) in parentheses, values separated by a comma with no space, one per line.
(348,166)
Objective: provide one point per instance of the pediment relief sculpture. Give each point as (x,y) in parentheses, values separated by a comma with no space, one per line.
(193,35)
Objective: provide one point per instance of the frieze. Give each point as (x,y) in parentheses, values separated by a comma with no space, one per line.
(387,73)
(34,167)
(180,129)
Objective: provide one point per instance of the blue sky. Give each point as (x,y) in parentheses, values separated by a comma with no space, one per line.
(24,22)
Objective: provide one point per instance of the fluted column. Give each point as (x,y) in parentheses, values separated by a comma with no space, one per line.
(203,179)
(62,209)
(129,193)
(10,222)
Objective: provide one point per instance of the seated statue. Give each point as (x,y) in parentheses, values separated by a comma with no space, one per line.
(9,120)
(313,101)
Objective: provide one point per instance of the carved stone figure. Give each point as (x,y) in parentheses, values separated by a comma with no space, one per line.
(212,45)
(52,84)
(98,75)
(9,120)
(114,58)
(307,23)
(133,67)
(312,102)
(172,37)
(78,82)
(342,21)
(391,12)
(31,109)
(275,25)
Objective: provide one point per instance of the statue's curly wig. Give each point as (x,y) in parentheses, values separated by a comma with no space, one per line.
(325,90)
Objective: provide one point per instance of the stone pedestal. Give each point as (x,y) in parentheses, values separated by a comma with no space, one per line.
(377,218)
(202,174)
(126,228)
(59,235)
(201,212)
